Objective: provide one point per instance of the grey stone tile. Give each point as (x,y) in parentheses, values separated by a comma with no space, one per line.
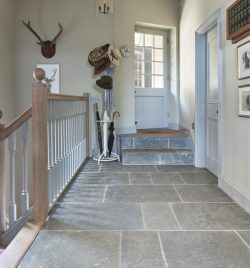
(141,157)
(141,250)
(90,166)
(178,168)
(199,178)
(204,249)
(151,142)
(77,193)
(95,217)
(180,142)
(246,236)
(166,178)
(55,249)
(126,142)
(217,216)
(102,178)
(159,216)
(141,178)
(141,193)
(118,167)
(202,193)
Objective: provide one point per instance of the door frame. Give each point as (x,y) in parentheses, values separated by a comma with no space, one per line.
(200,89)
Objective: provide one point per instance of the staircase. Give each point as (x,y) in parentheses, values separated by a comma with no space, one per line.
(156,149)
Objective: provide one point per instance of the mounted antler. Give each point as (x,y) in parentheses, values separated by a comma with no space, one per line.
(48,48)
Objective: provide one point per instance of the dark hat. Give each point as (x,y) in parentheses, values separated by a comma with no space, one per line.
(98,54)
(101,66)
(106,82)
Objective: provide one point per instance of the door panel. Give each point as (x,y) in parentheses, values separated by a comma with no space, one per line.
(146,107)
(212,103)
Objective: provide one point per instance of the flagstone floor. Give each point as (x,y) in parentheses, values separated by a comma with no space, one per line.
(143,216)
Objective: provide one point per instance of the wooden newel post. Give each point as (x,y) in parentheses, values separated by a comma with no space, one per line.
(2,182)
(40,147)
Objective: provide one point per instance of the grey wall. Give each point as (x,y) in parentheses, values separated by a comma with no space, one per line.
(83,31)
(7,75)
(235,175)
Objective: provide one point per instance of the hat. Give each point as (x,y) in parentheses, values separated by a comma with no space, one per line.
(114,55)
(98,54)
(105,82)
(125,51)
(102,65)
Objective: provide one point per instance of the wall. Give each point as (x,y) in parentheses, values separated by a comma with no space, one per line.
(6,55)
(163,13)
(83,31)
(235,173)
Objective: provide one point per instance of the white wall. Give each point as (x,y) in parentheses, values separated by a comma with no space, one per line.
(164,13)
(83,31)
(6,55)
(235,174)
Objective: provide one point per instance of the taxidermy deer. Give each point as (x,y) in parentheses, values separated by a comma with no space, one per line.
(48,48)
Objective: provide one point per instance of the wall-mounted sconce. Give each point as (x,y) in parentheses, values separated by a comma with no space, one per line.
(104,7)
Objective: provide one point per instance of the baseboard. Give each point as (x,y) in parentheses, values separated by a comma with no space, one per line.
(234,193)
(174,126)
(126,130)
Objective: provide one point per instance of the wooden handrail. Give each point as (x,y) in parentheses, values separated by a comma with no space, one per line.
(66,97)
(7,131)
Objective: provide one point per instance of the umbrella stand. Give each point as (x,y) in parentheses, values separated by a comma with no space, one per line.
(105,157)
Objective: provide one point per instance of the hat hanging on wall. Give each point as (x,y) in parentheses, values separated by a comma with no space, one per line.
(105,82)
(125,51)
(98,54)
(114,55)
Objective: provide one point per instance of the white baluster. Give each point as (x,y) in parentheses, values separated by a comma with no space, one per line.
(24,193)
(12,204)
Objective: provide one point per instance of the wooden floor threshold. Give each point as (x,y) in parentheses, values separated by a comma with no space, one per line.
(16,250)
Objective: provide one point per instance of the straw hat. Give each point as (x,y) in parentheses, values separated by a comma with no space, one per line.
(114,55)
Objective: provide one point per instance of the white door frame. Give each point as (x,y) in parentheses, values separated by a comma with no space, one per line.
(200,89)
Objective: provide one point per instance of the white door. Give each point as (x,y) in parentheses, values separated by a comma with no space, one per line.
(212,102)
(151,78)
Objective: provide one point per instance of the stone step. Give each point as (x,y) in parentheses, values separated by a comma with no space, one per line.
(130,142)
(154,156)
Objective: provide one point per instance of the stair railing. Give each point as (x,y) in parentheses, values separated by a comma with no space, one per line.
(60,145)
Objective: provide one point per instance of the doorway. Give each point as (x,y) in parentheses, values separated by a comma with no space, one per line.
(208,95)
(151,78)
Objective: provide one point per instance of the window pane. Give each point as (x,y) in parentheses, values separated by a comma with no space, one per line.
(139,53)
(148,67)
(139,39)
(139,67)
(158,54)
(159,83)
(158,68)
(149,40)
(148,81)
(139,80)
(158,41)
(148,54)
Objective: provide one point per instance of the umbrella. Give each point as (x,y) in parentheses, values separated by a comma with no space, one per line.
(99,131)
(111,133)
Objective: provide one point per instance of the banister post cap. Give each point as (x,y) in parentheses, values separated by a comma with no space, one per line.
(1,114)
(39,75)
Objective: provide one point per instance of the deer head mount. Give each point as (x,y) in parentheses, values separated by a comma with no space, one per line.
(48,48)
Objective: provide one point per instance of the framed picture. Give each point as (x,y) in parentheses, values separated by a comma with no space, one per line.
(244,60)
(52,77)
(244,101)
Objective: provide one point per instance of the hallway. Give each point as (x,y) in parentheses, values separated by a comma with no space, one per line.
(143,216)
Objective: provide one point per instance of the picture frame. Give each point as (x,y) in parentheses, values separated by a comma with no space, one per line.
(243,52)
(237,20)
(244,101)
(52,77)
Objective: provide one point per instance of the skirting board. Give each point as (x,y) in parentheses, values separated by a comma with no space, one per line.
(235,194)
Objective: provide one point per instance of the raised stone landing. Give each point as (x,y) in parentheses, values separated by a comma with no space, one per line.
(156,149)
